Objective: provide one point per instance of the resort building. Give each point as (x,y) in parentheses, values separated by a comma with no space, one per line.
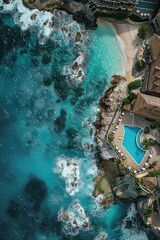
(147,106)
(114,6)
(152,71)
(146,9)
(156,24)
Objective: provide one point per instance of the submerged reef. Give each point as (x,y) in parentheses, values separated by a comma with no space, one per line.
(35,191)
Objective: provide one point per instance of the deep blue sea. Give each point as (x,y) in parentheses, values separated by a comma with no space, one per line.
(47,143)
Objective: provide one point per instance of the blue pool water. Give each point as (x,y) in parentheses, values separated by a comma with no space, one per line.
(132,144)
(146,5)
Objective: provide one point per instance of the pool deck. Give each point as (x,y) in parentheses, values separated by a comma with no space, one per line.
(133,120)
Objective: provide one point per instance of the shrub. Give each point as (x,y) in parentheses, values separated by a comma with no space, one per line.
(143,31)
(140,65)
(126,101)
(153,125)
(154,173)
(146,130)
(132,96)
(134,85)
(129,99)
(149,142)
(110,138)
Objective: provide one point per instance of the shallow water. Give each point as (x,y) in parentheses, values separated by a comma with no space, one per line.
(45,125)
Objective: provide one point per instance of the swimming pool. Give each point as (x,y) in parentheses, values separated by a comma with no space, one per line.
(132,143)
(146,5)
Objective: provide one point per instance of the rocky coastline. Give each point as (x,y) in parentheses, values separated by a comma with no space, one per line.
(119,182)
(79,10)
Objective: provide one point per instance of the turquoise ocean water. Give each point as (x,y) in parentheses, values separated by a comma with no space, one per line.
(45,124)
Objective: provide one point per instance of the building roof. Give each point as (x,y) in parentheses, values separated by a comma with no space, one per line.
(152,85)
(147,106)
(155,46)
(150,183)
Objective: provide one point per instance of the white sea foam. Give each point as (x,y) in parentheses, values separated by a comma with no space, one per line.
(69,170)
(75,219)
(132,233)
(75,73)
(101,236)
(45,22)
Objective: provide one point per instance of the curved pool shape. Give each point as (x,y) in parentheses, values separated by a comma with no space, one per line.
(132,144)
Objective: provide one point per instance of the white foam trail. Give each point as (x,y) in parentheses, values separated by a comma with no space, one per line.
(74,218)
(132,233)
(69,169)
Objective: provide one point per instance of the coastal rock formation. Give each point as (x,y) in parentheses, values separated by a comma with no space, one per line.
(141,204)
(79,10)
(122,184)
(125,187)
(108,106)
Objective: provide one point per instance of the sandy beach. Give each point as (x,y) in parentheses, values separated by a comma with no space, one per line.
(128,34)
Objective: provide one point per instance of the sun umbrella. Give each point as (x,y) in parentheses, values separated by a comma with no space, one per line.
(122,113)
(119,120)
(135,171)
(113,131)
(116,127)
(146,164)
(143,169)
(117,148)
(150,155)
(129,167)
(121,154)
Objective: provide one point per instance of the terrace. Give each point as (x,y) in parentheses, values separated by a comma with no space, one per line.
(141,166)
(145,9)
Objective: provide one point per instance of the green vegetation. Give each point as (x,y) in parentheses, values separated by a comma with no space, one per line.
(154,173)
(149,142)
(117,16)
(146,130)
(110,138)
(140,65)
(134,85)
(149,210)
(143,31)
(155,124)
(129,99)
